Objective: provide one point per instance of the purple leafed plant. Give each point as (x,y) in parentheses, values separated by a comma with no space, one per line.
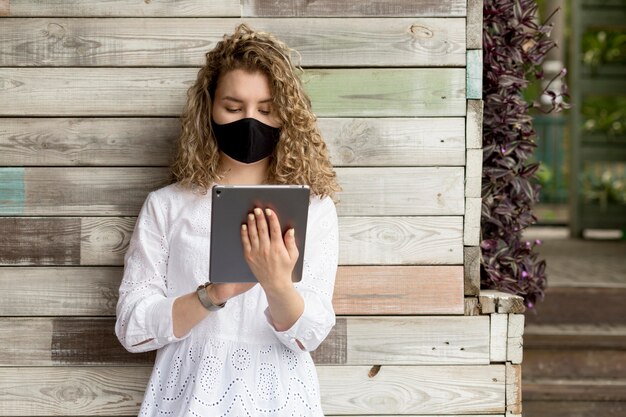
(514,46)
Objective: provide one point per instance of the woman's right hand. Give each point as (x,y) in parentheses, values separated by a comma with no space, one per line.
(222,292)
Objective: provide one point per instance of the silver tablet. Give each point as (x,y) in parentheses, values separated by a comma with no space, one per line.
(229,210)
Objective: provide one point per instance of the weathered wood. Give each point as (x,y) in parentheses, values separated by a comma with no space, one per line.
(515,342)
(561,408)
(473,173)
(580,305)
(474,24)
(352,341)
(150,141)
(563,364)
(513,389)
(471,306)
(113,42)
(126,8)
(145,92)
(468,388)
(92,291)
(501,302)
(474,126)
(55,241)
(110,391)
(471,221)
(122,191)
(571,336)
(398,290)
(474,74)
(498,337)
(471,270)
(575,390)
(332,8)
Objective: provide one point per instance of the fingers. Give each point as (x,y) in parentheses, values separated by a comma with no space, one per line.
(290,243)
(263,234)
(252,232)
(274,225)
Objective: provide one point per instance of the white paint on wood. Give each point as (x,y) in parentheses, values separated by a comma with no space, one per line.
(515,342)
(498,337)
(471,221)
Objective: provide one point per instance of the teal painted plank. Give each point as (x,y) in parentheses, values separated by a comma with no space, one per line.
(11,190)
(475,74)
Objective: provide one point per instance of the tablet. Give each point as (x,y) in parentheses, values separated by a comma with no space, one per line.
(230,206)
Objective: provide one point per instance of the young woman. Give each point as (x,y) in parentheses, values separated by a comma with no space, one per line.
(234,349)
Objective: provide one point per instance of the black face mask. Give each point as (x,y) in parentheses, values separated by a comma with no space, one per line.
(246,140)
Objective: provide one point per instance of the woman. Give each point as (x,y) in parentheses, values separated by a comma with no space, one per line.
(234,349)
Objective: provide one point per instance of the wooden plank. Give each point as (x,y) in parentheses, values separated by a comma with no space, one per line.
(580,306)
(574,364)
(157,42)
(574,408)
(474,24)
(398,290)
(391,191)
(501,302)
(110,391)
(474,125)
(471,221)
(145,92)
(471,306)
(498,337)
(414,340)
(471,270)
(473,173)
(352,341)
(575,390)
(125,8)
(330,8)
(572,336)
(40,240)
(421,390)
(515,342)
(474,74)
(513,389)
(92,291)
(150,141)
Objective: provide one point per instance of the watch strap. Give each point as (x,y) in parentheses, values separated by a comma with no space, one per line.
(206,302)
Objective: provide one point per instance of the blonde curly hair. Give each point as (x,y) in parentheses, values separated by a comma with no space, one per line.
(300,157)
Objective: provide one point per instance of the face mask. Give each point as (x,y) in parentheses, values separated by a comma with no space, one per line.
(246,140)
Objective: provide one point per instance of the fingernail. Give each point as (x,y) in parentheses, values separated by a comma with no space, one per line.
(250,216)
(292,232)
(257,211)
(244,226)
(268,212)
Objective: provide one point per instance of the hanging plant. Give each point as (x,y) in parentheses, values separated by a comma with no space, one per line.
(514,46)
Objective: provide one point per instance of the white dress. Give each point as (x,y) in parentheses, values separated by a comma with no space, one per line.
(234,362)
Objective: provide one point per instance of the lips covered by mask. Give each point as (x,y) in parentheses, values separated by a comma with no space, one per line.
(246,140)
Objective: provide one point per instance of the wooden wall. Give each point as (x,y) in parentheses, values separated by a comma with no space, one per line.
(90,93)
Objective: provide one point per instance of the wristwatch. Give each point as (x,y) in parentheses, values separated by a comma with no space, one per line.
(206,302)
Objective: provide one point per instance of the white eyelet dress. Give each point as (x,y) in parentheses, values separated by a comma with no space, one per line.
(234,362)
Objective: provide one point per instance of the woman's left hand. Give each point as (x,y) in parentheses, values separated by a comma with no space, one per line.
(270,256)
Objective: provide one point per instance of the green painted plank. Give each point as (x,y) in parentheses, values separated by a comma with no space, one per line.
(145,92)
(12,191)
(475,74)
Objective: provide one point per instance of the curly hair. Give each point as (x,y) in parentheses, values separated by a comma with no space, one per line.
(301,155)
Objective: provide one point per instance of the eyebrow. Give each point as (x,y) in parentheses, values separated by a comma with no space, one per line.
(236,100)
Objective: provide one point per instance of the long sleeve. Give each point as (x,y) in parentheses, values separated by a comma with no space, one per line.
(318,281)
(144,312)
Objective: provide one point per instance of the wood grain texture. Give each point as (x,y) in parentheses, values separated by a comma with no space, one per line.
(564,408)
(515,342)
(113,42)
(398,290)
(150,141)
(111,391)
(501,302)
(113,191)
(474,126)
(474,24)
(93,291)
(473,173)
(513,388)
(434,240)
(126,8)
(354,340)
(333,8)
(474,74)
(405,389)
(145,92)
(35,241)
(564,364)
(498,337)
(471,221)
(574,336)
(471,270)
